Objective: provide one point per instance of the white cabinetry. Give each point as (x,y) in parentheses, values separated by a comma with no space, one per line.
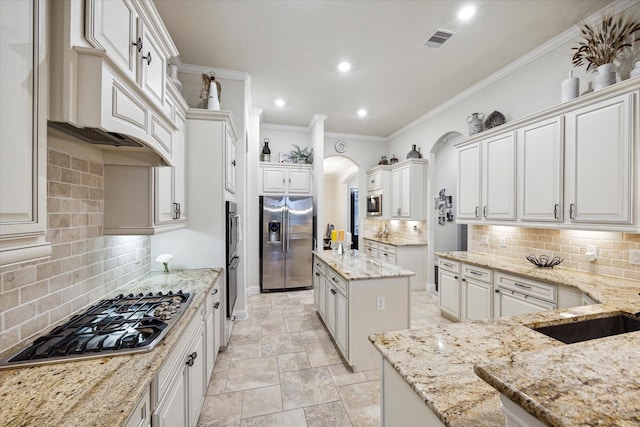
(374,180)
(599,169)
(408,182)
(337,313)
(284,179)
(540,165)
(230,171)
(515,295)
(487,179)
(180,385)
(476,293)
(379,183)
(212,325)
(141,415)
(449,288)
(23,132)
(410,257)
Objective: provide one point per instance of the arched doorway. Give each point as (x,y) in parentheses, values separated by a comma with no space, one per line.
(341,196)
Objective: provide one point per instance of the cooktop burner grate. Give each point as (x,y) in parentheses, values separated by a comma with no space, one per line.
(120,325)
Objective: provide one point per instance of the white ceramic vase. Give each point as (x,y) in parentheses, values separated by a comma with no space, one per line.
(213,103)
(605,76)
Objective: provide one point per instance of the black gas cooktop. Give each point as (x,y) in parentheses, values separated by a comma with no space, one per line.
(120,325)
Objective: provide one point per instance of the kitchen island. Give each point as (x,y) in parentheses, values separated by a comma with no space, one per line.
(430,373)
(106,390)
(357,296)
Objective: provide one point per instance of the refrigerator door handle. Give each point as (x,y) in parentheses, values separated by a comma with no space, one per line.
(284,229)
(288,230)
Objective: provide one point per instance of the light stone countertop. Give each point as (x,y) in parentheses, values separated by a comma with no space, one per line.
(397,241)
(103,391)
(438,361)
(361,267)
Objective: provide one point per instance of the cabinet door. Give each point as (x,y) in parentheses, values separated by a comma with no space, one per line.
(507,304)
(273,180)
(477,300)
(209,327)
(299,181)
(405,191)
(396,192)
(499,178)
(374,181)
(152,65)
(469,182)
(179,155)
(141,415)
(173,411)
(197,379)
(23,132)
(599,162)
(164,178)
(342,323)
(230,169)
(316,288)
(112,26)
(330,317)
(449,293)
(540,160)
(322,296)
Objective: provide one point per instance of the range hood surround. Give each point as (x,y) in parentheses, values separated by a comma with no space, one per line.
(102,102)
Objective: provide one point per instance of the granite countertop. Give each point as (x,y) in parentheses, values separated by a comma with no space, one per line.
(438,361)
(398,241)
(360,266)
(103,391)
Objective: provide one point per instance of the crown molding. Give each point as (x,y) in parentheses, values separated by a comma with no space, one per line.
(615,8)
(285,128)
(352,136)
(220,72)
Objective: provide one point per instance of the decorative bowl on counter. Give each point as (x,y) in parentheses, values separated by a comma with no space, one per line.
(544,261)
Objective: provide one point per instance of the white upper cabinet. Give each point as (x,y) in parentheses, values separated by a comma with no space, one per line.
(153,64)
(599,167)
(540,162)
(231,164)
(286,179)
(23,131)
(408,184)
(469,182)
(499,178)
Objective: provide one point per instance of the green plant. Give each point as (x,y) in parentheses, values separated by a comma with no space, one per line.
(602,43)
(302,155)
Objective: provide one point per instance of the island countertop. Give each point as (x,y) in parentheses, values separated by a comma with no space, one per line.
(103,391)
(360,266)
(397,240)
(438,361)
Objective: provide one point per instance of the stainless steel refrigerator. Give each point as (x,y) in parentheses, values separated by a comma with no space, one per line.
(286,230)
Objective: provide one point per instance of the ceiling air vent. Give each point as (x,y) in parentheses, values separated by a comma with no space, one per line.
(438,38)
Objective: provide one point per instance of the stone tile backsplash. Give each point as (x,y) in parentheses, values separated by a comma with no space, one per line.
(410,230)
(613,247)
(84,265)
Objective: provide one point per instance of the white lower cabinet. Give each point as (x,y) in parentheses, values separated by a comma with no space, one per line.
(514,296)
(320,287)
(141,416)
(410,257)
(449,288)
(330,314)
(342,319)
(212,325)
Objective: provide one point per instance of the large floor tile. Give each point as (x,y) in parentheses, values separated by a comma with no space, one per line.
(362,402)
(282,344)
(261,401)
(307,387)
(314,335)
(274,328)
(322,353)
(305,322)
(343,376)
(223,362)
(293,418)
(252,373)
(327,414)
(246,351)
(293,361)
(221,410)
(217,383)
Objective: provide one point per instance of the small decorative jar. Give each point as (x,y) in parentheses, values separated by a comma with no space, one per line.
(393,160)
(383,161)
(266,151)
(475,123)
(569,88)
(605,76)
(413,154)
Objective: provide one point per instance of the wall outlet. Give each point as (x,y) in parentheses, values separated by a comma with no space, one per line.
(591,253)
(138,255)
(503,242)
(634,257)
(484,239)
(380,303)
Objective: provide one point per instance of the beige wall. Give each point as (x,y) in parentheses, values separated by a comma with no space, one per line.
(613,248)
(84,266)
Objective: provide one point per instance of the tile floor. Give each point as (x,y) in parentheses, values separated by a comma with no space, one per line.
(281,369)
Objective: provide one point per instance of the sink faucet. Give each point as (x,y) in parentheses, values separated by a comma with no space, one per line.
(385,232)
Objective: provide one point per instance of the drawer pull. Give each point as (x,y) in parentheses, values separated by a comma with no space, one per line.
(497,291)
(216,305)
(138,44)
(521,285)
(484,211)
(475,272)
(555,211)
(334,279)
(215,291)
(148,58)
(333,291)
(571,211)
(317,274)
(455,277)
(448,265)
(192,358)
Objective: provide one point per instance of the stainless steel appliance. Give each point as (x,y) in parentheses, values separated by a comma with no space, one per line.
(286,234)
(374,205)
(120,325)
(232,236)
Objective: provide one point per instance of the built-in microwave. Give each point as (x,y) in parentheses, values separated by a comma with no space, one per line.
(374,205)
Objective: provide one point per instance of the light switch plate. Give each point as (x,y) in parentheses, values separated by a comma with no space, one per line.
(634,257)
(503,242)
(484,239)
(380,303)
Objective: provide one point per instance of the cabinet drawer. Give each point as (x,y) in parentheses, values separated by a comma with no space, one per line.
(213,296)
(448,265)
(319,265)
(141,415)
(337,281)
(370,244)
(174,361)
(478,273)
(528,287)
(389,249)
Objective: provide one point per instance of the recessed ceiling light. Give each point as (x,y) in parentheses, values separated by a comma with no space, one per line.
(466,12)
(362,112)
(344,66)
(279,102)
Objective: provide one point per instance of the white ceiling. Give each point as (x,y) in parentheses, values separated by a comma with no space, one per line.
(291,49)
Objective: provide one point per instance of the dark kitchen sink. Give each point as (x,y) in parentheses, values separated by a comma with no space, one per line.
(584,330)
